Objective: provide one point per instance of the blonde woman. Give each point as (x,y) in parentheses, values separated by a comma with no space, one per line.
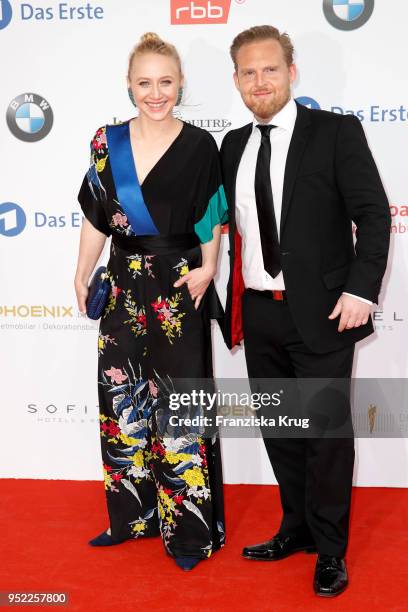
(154,186)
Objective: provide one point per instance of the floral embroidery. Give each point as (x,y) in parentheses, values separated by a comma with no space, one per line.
(168,314)
(135,456)
(109,481)
(99,156)
(137,315)
(182,267)
(134,402)
(167,512)
(138,526)
(189,480)
(99,141)
(116,375)
(100,164)
(103,340)
(153,388)
(193,477)
(135,265)
(148,265)
(113,296)
(126,432)
(119,219)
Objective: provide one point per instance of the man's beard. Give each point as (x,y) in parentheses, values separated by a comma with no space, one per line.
(265,109)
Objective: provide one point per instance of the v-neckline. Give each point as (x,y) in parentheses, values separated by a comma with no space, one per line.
(160,158)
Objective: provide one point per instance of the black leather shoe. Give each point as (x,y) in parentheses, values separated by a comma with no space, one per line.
(277,548)
(330,577)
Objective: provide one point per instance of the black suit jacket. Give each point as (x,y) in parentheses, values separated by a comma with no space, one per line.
(330,180)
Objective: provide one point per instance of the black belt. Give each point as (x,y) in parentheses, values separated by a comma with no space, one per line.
(274,294)
(163,244)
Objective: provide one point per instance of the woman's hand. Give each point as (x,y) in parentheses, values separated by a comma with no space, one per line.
(81,290)
(197,281)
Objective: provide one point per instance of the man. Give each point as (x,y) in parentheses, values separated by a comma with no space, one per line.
(295,180)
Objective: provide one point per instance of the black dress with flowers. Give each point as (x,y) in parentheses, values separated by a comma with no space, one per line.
(158,479)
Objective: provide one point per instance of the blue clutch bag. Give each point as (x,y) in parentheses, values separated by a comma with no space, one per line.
(98,293)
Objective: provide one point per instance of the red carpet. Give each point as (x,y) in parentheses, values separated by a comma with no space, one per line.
(45,526)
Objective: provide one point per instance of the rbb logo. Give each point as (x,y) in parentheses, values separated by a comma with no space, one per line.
(199,11)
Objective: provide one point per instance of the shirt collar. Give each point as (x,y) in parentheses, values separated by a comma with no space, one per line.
(284,119)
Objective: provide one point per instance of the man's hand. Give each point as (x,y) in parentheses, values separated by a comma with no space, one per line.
(197,281)
(353,312)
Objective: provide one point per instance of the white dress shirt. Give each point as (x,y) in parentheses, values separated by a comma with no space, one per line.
(253,271)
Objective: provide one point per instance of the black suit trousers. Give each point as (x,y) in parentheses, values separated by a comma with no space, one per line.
(314,473)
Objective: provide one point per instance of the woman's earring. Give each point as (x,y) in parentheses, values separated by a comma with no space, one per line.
(130,94)
(179,96)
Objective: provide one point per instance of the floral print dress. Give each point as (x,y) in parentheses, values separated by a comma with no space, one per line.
(159,480)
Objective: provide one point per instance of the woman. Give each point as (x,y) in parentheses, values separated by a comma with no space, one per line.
(154,185)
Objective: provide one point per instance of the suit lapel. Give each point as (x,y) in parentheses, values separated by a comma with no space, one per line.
(301,133)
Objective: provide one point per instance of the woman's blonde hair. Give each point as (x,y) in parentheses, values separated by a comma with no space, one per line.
(150,42)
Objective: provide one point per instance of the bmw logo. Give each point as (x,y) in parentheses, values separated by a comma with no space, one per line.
(347,14)
(309,102)
(29,117)
(5,13)
(12,219)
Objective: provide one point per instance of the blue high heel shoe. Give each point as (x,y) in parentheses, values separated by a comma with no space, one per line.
(187,563)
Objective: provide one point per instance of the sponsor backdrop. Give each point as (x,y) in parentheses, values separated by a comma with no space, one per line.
(63,76)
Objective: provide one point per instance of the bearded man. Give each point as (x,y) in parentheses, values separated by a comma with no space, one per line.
(300,292)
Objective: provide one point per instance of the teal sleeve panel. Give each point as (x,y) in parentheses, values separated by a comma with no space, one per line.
(216,212)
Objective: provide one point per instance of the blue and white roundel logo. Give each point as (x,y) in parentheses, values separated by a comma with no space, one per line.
(348,14)
(6,13)
(348,10)
(12,219)
(29,117)
(309,102)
